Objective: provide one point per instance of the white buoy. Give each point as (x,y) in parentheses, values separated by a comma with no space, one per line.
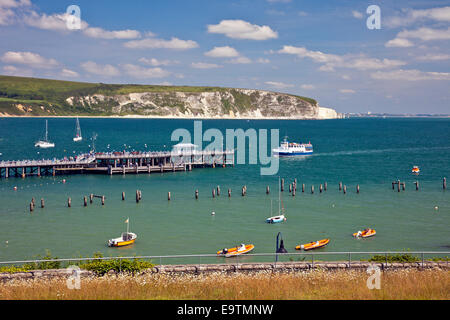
(213,213)
(436,208)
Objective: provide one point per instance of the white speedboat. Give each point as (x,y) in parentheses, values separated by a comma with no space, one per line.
(45,143)
(293,149)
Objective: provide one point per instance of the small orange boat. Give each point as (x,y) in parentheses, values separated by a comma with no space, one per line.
(313,245)
(415,169)
(236,251)
(366,233)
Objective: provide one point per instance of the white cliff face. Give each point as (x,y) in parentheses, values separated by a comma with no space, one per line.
(223,103)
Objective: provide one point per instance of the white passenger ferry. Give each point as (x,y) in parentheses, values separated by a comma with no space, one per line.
(293,149)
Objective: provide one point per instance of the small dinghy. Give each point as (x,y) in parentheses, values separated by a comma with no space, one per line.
(125,239)
(276,219)
(415,170)
(366,233)
(236,251)
(313,245)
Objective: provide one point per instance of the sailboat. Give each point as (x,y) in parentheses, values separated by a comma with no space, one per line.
(78,136)
(45,143)
(280,217)
(125,239)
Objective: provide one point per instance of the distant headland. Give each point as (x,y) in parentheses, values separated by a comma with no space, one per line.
(33,97)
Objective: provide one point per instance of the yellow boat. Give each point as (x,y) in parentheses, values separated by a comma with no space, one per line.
(125,239)
(366,233)
(313,245)
(236,251)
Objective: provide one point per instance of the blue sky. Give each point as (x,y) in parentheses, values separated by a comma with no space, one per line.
(320,49)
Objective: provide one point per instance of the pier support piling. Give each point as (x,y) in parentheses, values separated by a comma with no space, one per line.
(357,188)
(320,188)
(229,193)
(312,189)
(123,196)
(42,203)
(345,189)
(196,194)
(168,196)
(267,190)
(303,187)
(417,185)
(340,186)
(103,200)
(69,202)
(325,186)
(85,201)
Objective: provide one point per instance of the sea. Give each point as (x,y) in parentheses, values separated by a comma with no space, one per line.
(369,152)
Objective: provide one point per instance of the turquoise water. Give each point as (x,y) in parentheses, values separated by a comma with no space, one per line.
(368,152)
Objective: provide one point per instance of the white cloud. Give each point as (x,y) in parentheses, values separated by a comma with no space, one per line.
(106,70)
(410,75)
(279,85)
(332,61)
(411,16)
(156,63)
(105,34)
(155,43)
(357,14)
(240,29)
(56,22)
(240,60)
(69,73)
(203,65)
(351,91)
(426,34)
(6,16)
(317,56)
(307,87)
(263,60)
(28,58)
(14,3)
(144,73)
(222,52)
(18,72)
(399,42)
(434,57)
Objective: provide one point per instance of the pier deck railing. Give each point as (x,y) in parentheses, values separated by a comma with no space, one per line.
(348,257)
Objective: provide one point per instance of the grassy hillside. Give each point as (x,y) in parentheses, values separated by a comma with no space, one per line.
(38,97)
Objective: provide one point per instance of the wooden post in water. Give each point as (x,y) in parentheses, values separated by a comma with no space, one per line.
(303,187)
(243,191)
(345,189)
(267,190)
(33,201)
(168,196)
(398,185)
(103,200)
(312,189)
(213,193)
(403,186)
(85,201)
(91,197)
(218,191)
(320,188)
(123,195)
(229,193)
(137,196)
(282,184)
(357,188)
(196,194)
(325,186)
(295,183)
(31,207)
(417,185)
(140,195)
(69,202)
(42,202)
(290,187)
(340,186)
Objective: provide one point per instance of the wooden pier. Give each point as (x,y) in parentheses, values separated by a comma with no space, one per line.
(118,163)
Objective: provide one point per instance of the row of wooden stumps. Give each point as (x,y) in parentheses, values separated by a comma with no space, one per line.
(416,183)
